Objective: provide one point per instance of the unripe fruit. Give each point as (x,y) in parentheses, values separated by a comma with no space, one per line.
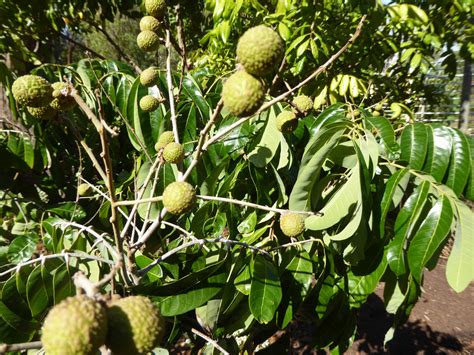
(32,91)
(77,325)
(179,197)
(43,112)
(376,113)
(165,138)
(149,103)
(135,326)
(303,103)
(84,190)
(173,153)
(243,94)
(61,102)
(155,8)
(378,107)
(149,77)
(260,50)
(148,41)
(149,23)
(286,121)
(292,224)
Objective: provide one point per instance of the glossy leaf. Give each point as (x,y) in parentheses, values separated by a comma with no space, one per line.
(265,290)
(439,152)
(414,144)
(429,236)
(459,167)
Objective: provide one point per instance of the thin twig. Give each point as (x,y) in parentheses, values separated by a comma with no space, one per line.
(270,103)
(64,255)
(253,205)
(170,87)
(6,348)
(138,202)
(210,341)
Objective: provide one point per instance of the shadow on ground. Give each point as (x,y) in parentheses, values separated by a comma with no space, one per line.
(412,338)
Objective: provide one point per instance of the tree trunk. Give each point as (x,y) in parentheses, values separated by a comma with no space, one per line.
(464,115)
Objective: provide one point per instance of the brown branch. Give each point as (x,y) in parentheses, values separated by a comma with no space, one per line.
(315,74)
(6,348)
(80,45)
(119,50)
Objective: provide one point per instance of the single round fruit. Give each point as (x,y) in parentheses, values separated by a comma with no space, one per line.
(243,94)
(292,224)
(84,190)
(165,138)
(77,325)
(148,41)
(378,107)
(303,103)
(135,326)
(149,103)
(179,197)
(286,121)
(173,153)
(61,102)
(376,113)
(149,77)
(32,91)
(149,23)
(43,112)
(356,113)
(260,50)
(155,8)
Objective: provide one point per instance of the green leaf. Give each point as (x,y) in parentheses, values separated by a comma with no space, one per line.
(460,269)
(344,201)
(268,145)
(460,165)
(432,232)
(36,292)
(404,226)
(301,268)
(414,145)
(390,188)
(439,152)
(386,133)
(243,281)
(22,248)
(265,290)
(316,152)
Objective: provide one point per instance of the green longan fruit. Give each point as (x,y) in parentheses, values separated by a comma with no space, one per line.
(148,41)
(243,94)
(156,8)
(260,50)
(179,197)
(149,103)
(135,326)
(149,23)
(173,153)
(32,91)
(286,121)
(164,139)
(292,224)
(149,77)
(44,112)
(303,103)
(77,325)
(61,102)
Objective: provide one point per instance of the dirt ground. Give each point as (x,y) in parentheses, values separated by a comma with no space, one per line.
(442,322)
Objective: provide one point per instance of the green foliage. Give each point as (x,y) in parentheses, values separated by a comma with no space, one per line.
(381,196)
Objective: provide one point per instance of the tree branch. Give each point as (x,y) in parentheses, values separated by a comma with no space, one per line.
(6,348)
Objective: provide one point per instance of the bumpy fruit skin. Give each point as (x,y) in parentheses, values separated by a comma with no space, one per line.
(303,103)
(243,94)
(32,91)
(44,112)
(260,50)
(149,103)
(77,325)
(164,139)
(173,153)
(286,121)
(148,41)
(179,197)
(155,8)
(61,102)
(148,77)
(135,326)
(292,224)
(149,23)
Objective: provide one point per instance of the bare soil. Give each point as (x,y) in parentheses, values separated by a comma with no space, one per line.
(442,322)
